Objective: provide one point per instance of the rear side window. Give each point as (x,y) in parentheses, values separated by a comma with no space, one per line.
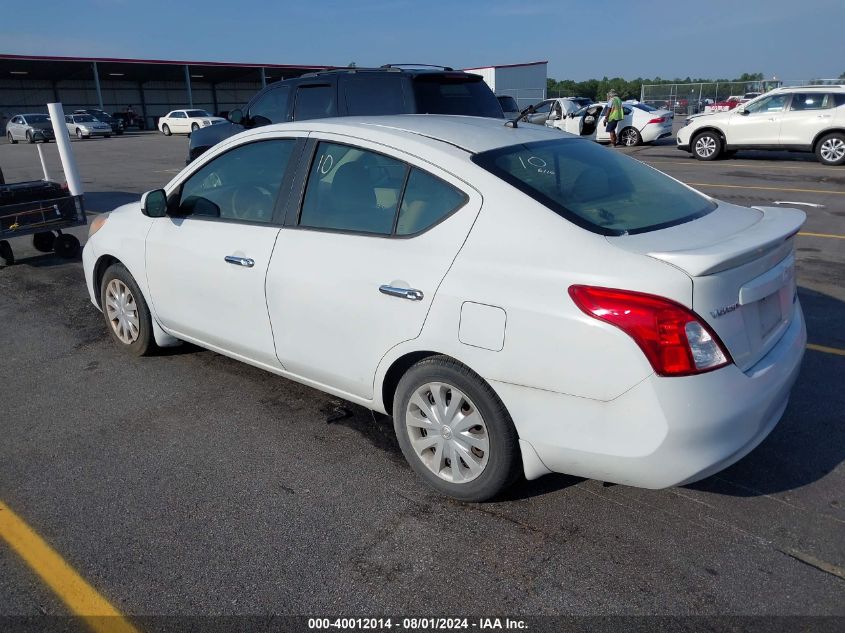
(427,200)
(272,105)
(838,99)
(597,189)
(508,103)
(809,101)
(314,102)
(461,94)
(374,95)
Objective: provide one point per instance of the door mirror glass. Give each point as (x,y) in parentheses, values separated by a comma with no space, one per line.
(154,203)
(236,115)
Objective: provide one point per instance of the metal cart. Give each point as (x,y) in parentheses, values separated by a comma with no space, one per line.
(44,220)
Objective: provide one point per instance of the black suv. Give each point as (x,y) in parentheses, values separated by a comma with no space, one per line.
(356,91)
(103,117)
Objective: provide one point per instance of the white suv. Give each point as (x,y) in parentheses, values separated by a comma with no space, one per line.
(802,119)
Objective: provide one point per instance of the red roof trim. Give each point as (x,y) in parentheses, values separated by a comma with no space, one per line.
(509,65)
(120,60)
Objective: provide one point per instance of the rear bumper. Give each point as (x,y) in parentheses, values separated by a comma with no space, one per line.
(664,431)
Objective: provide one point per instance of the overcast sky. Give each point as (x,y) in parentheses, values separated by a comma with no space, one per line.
(791,39)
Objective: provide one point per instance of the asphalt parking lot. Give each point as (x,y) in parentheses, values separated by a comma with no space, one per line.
(191,484)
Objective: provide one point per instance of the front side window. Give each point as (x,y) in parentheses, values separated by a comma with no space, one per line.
(809,101)
(272,105)
(774,103)
(374,95)
(602,191)
(544,107)
(179,115)
(314,102)
(352,189)
(241,184)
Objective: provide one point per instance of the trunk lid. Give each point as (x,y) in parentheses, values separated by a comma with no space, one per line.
(742,265)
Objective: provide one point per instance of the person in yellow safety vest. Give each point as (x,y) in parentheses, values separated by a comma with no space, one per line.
(614,116)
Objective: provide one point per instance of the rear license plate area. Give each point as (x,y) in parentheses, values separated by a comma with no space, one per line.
(770,313)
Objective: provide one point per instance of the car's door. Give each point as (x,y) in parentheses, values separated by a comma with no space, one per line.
(207,260)
(808,114)
(357,271)
(757,123)
(15,126)
(183,123)
(588,122)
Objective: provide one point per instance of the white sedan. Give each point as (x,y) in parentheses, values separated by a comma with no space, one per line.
(641,123)
(186,121)
(521,301)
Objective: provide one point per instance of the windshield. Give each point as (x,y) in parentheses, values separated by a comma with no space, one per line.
(196,113)
(461,94)
(101,116)
(84,118)
(603,191)
(37,118)
(508,104)
(643,106)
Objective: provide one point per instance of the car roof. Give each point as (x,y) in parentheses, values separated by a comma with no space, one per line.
(471,134)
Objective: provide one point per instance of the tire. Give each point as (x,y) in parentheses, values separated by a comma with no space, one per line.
(830,150)
(66,246)
(44,241)
(79,134)
(46,140)
(11,138)
(707,146)
(729,153)
(194,127)
(107,135)
(165,129)
(124,306)
(6,252)
(630,137)
(493,449)
(29,138)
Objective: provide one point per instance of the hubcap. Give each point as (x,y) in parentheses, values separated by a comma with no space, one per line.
(705,146)
(447,433)
(122,311)
(833,149)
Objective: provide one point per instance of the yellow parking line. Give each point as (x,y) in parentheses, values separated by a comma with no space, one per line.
(836,237)
(80,597)
(825,349)
(707,184)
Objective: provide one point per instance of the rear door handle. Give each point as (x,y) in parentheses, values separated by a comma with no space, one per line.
(403,293)
(246,262)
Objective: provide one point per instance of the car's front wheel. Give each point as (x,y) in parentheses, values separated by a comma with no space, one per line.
(79,134)
(630,136)
(194,127)
(455,431)
(29,138)
(707,146)
(126,313)
(830,150)
(165,129)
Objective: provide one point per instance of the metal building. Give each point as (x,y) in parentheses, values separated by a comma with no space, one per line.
(524,82)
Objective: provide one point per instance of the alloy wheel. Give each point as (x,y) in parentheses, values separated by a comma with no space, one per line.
(447,432)
(833,150)
(705,146)
(122,311)
(629,137)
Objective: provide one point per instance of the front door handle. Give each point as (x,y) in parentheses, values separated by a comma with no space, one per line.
(246,262)
(403,293)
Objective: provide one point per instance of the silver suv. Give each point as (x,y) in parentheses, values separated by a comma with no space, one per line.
(801,119)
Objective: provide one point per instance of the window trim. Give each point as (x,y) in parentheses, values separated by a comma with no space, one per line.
(282,196)
(294,212)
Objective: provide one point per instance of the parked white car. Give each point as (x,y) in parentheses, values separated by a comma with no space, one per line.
(519,299)
(86,126)
(186,121)
(642,123)
(802,119)
(555,109)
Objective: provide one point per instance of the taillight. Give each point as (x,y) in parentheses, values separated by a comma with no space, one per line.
(673,338)
(658,120)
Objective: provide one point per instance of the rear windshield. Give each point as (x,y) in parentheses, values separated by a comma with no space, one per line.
(461,94)
(508,104)
(644,106)
(596,188)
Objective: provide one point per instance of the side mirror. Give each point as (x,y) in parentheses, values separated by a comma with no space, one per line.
(154,203)
(236,115)
(743,112)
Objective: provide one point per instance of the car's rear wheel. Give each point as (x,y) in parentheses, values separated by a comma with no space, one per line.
(11,138)
(707,146)
(125,311)
(165,129)
(830,150)
(630,137)
(455,431)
